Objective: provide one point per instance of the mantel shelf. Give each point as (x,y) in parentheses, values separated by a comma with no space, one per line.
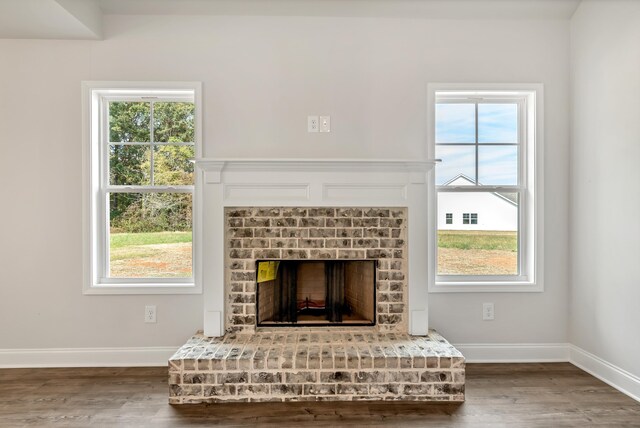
(348,165)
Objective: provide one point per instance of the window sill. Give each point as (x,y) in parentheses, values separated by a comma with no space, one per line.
(151,288)
(487,287)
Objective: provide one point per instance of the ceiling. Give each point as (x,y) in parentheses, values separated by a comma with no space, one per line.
(82,19)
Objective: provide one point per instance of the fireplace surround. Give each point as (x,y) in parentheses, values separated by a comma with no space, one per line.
(306,184)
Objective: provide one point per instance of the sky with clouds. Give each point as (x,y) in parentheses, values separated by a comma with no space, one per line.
(497,126)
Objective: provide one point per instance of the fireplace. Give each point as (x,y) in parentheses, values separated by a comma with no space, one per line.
(315,292)
(334,237)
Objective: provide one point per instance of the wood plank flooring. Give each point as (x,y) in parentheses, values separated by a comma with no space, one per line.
(498,395)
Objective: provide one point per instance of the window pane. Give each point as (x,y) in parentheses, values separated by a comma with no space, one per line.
(129,122)
(498,165)
(455,123)
(458,164)
(498,123)
(487,245)
(129,165)
(171,165)
(150,235)
(173,122)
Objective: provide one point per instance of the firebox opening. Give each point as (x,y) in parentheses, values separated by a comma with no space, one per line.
(315,292)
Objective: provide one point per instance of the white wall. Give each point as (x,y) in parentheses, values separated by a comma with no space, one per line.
(605,160)
(262,76)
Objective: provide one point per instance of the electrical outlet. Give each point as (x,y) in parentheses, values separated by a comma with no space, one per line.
(325,123)
(312,123)
(488,312)
(150,313)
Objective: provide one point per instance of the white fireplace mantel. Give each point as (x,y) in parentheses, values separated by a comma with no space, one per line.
(317,183)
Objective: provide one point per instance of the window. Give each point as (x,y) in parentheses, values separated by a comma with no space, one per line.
(486,141)
(470,218)
(141,187)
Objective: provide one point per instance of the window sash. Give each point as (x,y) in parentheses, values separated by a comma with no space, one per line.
(103,234)
(520,188)
(520,101)
(521,245)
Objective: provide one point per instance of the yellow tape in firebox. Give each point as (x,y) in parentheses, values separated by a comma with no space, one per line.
(267,271)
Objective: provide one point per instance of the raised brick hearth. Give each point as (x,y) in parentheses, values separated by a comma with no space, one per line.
(316,366)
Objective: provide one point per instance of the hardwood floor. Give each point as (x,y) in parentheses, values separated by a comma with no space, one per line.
(498,395)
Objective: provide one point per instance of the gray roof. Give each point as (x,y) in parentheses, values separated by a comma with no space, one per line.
(510,197)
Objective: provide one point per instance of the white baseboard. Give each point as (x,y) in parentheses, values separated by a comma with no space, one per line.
(158,356)
(86,357)
(514,352)
(620,379)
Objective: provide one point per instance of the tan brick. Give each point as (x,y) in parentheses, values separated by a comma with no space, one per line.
(336,376)
(265,232)
(349,212)
(311,243)
(289,232)
(311,222)
(294,212)
(366,222)
(319,389)
(322,212)
(351,254)
(283,222)
(283,243)
(324,232)
(256,222)
(323,254)
(266,212)
(365,243)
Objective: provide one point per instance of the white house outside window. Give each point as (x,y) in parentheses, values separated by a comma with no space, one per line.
(141,187)
(486,141)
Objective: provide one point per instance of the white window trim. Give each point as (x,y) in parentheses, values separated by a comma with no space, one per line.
(533,213)
(92,91)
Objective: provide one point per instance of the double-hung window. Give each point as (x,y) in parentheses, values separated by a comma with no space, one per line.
(469,218)
(449,218)
(141,187)
(488,146)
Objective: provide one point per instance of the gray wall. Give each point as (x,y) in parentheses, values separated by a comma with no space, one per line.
(262,76)
(605,174)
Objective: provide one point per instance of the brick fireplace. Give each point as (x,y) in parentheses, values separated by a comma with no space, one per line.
(348,242)
(374,234)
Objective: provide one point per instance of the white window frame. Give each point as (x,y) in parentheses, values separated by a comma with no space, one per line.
(531,209)
(95,216)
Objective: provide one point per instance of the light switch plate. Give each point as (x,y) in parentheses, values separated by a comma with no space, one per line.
(325,123)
